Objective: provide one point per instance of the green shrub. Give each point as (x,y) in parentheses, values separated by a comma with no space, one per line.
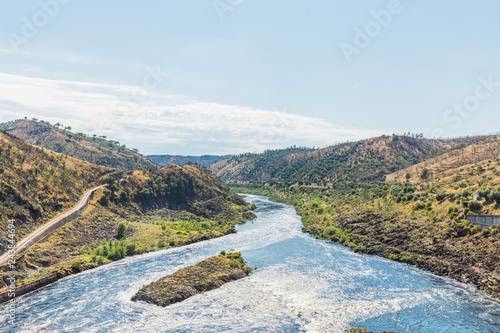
(130,249)
(121,229)
(419,205)
(76,266)
(475,206)
(494,196)
(109,180)
(393,256)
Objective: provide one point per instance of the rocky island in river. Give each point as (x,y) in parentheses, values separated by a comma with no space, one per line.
(206,275)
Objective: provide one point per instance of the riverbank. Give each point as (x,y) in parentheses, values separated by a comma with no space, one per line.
(431,239)
(445,250)
(93,240)
(51,276)
(206,275)
(300,285)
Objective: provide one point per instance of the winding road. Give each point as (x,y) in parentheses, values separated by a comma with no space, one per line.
(50,227)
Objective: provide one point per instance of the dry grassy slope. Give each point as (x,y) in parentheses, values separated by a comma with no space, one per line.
(456,158)
(94,150)
(465,177)
(189,187)
(37,184)
(167,206)
(364,160)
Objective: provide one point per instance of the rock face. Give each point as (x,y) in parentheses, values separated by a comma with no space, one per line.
(206,275)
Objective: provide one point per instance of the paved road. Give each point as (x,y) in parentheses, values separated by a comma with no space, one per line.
(48,228)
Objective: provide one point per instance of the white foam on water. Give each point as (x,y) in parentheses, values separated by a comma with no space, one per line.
(315,287)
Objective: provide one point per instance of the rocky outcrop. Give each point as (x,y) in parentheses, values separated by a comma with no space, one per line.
(362,330)
(206,275)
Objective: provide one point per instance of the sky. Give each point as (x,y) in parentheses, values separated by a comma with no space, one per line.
(197,77)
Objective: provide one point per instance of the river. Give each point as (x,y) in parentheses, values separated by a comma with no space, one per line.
(300,285)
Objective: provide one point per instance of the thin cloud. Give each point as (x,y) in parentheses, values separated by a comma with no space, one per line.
(160,123)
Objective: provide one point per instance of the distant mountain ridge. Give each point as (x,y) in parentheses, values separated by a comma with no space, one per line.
(361,161)
(204,161)
(93,149)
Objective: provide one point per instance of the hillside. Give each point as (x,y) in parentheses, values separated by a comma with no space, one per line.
(36,184)
(419,219)
(204,161)
(483,148)
(362,161)
(190,188)
(139,211)
(93,149)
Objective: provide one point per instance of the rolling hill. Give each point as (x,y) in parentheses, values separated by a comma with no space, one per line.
(362,161)
(483,148)
(157,208)
(36,184)
(93,149)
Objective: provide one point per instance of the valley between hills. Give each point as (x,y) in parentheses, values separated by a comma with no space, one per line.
(401,197)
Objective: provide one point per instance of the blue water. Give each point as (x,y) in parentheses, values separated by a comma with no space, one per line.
(301,285)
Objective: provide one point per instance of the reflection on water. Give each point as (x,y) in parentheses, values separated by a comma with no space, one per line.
(300,285)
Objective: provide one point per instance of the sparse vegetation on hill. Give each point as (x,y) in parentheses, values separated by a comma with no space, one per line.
(362,161)
(482,148)
(139,211)
(37,184)
(189,188)
(419,219)
(404,222)
(94,149)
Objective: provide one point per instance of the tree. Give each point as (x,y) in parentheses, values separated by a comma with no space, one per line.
(408,176)
(494,196)
(424,174)
(475,206)
(123,195)
(120,230)
(109,180)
